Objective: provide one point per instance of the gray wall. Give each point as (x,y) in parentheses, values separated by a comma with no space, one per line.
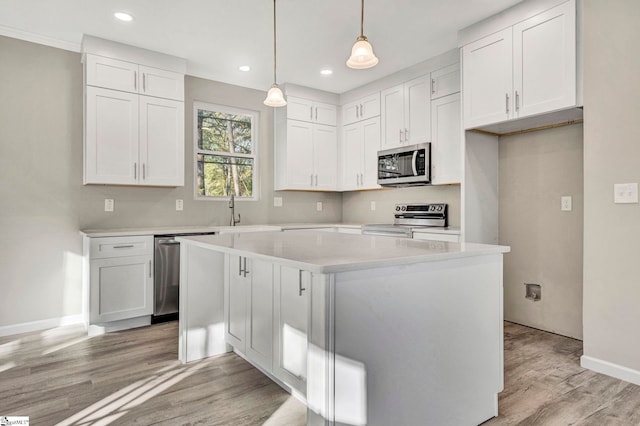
(611,155)
(535,170)
(44,204)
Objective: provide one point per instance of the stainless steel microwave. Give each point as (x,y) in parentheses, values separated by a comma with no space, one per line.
(405,166)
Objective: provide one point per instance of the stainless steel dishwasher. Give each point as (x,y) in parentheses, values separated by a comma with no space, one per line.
(166,284)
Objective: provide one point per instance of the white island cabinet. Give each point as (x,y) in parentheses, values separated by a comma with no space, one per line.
(365,329)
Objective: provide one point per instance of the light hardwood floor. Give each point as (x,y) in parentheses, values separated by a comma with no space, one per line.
(132,378)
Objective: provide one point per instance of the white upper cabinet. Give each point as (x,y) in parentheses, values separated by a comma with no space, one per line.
(311,111)
(134,117)
(360,145)
(445,81)
(523,70)
(544,61)
(446,143)
(362,109)
(405,116)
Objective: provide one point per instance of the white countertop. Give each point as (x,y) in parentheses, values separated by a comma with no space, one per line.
(197,229)
(324,252)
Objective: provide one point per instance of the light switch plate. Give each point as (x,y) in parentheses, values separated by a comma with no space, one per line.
(625,193)
(108,204)
(319,206)
(373,205)
(277,201)
(566,203)
(179,205)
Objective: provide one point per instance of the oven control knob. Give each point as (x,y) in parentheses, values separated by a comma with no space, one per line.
(404,208)
(397,208)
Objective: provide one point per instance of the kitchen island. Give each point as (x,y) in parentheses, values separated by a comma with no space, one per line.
(364,329)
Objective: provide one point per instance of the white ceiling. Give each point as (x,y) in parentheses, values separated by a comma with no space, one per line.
(217,36)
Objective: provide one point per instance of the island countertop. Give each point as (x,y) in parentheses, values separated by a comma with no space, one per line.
(323,252)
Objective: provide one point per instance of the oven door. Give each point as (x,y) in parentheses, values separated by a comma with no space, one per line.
(404,166)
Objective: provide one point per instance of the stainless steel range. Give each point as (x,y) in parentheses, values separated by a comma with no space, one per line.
(409,217)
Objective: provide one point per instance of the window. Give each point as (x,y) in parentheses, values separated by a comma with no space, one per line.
(225,152)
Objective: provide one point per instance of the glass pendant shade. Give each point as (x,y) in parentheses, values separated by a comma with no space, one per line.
(275,97)
(362,56)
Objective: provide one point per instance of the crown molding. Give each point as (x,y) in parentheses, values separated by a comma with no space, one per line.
(39,39)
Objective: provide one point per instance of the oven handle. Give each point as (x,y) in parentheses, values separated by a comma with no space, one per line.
(414,163)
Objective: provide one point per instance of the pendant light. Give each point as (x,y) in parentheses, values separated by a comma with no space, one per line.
(362,56)
(275,98)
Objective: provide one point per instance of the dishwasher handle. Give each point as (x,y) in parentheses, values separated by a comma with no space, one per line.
(168,242)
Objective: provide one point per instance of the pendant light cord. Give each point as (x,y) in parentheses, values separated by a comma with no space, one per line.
(274,42)
(361,19)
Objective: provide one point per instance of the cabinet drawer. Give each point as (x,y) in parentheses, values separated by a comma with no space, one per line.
(121,246)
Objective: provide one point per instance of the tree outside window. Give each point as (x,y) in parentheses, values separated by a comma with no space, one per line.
(225,152)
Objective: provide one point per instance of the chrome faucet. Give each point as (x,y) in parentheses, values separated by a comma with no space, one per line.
(232,206)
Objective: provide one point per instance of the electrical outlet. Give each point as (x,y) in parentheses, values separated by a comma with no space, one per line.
(179,205)
(108,204)
(319,206)
(625,193)
(373,205)
(277,201)
(566,203)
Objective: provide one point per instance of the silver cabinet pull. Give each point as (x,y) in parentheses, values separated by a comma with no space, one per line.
(400,137)
(135,81)
(245,267)
(300,288)
(311,179)
(507,102)
(316,113)
(144,82)
(149,268)
(127,246)
(357,113)
(517,102)
(135,170)
(361,179)
(433,86)
(240,265)
(406,135)
(361,110)
(316,180)
(311,113)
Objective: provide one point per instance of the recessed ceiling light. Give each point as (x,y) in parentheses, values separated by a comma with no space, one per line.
(326,71)
(123,16)
(244,68)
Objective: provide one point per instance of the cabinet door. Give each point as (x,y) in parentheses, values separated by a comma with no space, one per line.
(446,144)
(324,113)
(350,113)
(370,148)
(417,110)
(325,153)
(291,321)
(300,171)
(111,139)
(544,55)
(121,288)
(370,106)
(161,83)
(392,101)
(445,81)
(259,347)
(161,142)
(487,80)
(351,156)
(111,74)
(235,304)
(299,109)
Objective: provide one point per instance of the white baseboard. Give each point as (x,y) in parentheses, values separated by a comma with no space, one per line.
(610,369)
(108,327)
(27,327)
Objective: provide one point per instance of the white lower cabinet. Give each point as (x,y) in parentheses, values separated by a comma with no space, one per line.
(291,312)
(249,309)
(121,278)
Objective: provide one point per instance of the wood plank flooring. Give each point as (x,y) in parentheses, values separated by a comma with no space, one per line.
(61,377)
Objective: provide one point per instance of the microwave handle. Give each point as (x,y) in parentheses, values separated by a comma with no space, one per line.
(414,165)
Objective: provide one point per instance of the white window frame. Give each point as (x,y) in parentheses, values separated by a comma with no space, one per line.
(255,115)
